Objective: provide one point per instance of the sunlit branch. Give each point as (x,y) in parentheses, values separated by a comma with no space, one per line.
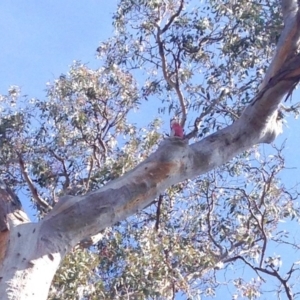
(31,186)
(287,45)
(174,85)
(173,17)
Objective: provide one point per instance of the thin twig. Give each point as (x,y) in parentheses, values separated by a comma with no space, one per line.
(210,205)
(160,199)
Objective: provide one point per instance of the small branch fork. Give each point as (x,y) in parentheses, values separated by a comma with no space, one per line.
(273,272)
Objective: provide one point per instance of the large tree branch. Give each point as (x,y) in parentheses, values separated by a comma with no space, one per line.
(75,218)
(288,42)
(174,161)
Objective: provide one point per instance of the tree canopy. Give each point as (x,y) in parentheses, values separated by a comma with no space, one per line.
(205,211)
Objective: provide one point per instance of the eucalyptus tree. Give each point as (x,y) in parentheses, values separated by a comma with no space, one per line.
(126,211)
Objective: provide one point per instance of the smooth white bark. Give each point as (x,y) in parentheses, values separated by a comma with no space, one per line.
(34,251)
(30,264)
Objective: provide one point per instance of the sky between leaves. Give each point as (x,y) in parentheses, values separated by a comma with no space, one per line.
(40,39)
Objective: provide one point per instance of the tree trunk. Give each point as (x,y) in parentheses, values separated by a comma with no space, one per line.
(31,253)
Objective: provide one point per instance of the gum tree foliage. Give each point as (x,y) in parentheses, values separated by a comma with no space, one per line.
(202,62)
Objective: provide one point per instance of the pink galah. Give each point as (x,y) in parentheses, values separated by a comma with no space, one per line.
(176,129)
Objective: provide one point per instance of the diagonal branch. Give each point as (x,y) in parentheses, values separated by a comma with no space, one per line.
(288,42)
(284,283)
(76,218)
(167,76)
(173,17)
(31,186)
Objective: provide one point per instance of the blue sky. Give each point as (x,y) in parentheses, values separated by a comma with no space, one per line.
(40,39)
